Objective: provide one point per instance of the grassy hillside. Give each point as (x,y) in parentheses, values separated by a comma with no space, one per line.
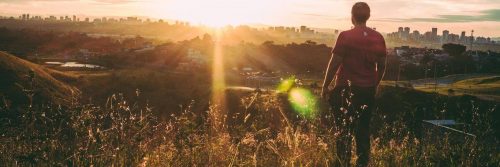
(16,84)
(154,118)
(485,87)
(259,130)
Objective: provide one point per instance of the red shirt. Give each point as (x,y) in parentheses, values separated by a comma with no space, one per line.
(359,48)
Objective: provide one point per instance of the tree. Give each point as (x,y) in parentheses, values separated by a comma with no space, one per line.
(454,50)
(428,57)
(460,61)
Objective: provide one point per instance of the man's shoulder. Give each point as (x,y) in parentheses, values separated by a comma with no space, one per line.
(375,32)
(346,32)
(353,31)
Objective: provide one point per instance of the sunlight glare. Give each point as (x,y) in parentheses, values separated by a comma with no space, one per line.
(218,80)
(216,13)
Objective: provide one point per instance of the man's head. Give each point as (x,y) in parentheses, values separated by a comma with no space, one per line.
(360,13)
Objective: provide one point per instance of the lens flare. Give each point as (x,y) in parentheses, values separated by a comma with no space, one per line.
(218,82)
(303,102)
(286,85)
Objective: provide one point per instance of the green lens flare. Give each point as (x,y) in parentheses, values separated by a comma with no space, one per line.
(286,85)
(303,102)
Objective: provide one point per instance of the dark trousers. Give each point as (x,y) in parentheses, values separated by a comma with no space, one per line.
(352,108)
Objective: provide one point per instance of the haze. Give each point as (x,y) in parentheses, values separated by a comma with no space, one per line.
(387,15)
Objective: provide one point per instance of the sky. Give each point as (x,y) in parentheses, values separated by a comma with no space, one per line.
(482,16)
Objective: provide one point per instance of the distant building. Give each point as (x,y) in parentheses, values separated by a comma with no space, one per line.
(415,35)
(444,38)
(462,37)
(306,32)
(53,18)
(406,33)
(193,61)
(434,34)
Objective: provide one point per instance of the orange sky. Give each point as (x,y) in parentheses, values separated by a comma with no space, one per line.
(455,15)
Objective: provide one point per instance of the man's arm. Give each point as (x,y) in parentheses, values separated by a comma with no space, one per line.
(333,66)
(381,63)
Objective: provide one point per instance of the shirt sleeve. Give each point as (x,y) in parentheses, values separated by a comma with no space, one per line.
(381,48)
(340,46)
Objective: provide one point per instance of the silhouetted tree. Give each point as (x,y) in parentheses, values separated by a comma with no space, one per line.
(461,63)
(454,50)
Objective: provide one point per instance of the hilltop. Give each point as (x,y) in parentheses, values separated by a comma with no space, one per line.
(484,86)
(16,83)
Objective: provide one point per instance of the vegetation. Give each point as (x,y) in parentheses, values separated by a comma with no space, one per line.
(21,77)
(142,111)
(485,87)
(260,129)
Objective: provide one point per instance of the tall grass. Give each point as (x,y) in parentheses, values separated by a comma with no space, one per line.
(260,130)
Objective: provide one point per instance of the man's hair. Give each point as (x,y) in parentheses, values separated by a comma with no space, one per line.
(360,12)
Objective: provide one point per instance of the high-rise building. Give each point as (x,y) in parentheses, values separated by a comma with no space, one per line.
(462,37)
(445,36)
(415,35)
(406,33)
(400,32)
(434,34)
(428,36)
(74,18)
(303,28)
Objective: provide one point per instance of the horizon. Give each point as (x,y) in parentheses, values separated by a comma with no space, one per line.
(483,16)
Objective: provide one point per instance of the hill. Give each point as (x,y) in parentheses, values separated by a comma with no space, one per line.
(20,78)
(483,86)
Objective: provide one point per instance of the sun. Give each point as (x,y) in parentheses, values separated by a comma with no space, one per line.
(214,13)
(215,18)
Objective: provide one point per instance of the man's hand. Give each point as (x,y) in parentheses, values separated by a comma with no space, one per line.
(333,66)
(324,93)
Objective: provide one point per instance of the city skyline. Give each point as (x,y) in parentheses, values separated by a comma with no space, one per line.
(403,32)
(454,15)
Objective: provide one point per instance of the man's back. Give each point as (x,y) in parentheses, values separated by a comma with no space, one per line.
(359,57)
(359,48)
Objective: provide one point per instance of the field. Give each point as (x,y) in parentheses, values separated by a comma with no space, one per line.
(257,129)
(146,117)
(486,87)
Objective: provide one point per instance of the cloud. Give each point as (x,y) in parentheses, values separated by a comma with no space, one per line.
(116,1)
(98,1)
(485,15)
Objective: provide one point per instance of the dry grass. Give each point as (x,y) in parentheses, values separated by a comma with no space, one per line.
(15,79)
(484,87)
(263,132)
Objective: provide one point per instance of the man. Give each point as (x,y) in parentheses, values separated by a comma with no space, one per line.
(358,62)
